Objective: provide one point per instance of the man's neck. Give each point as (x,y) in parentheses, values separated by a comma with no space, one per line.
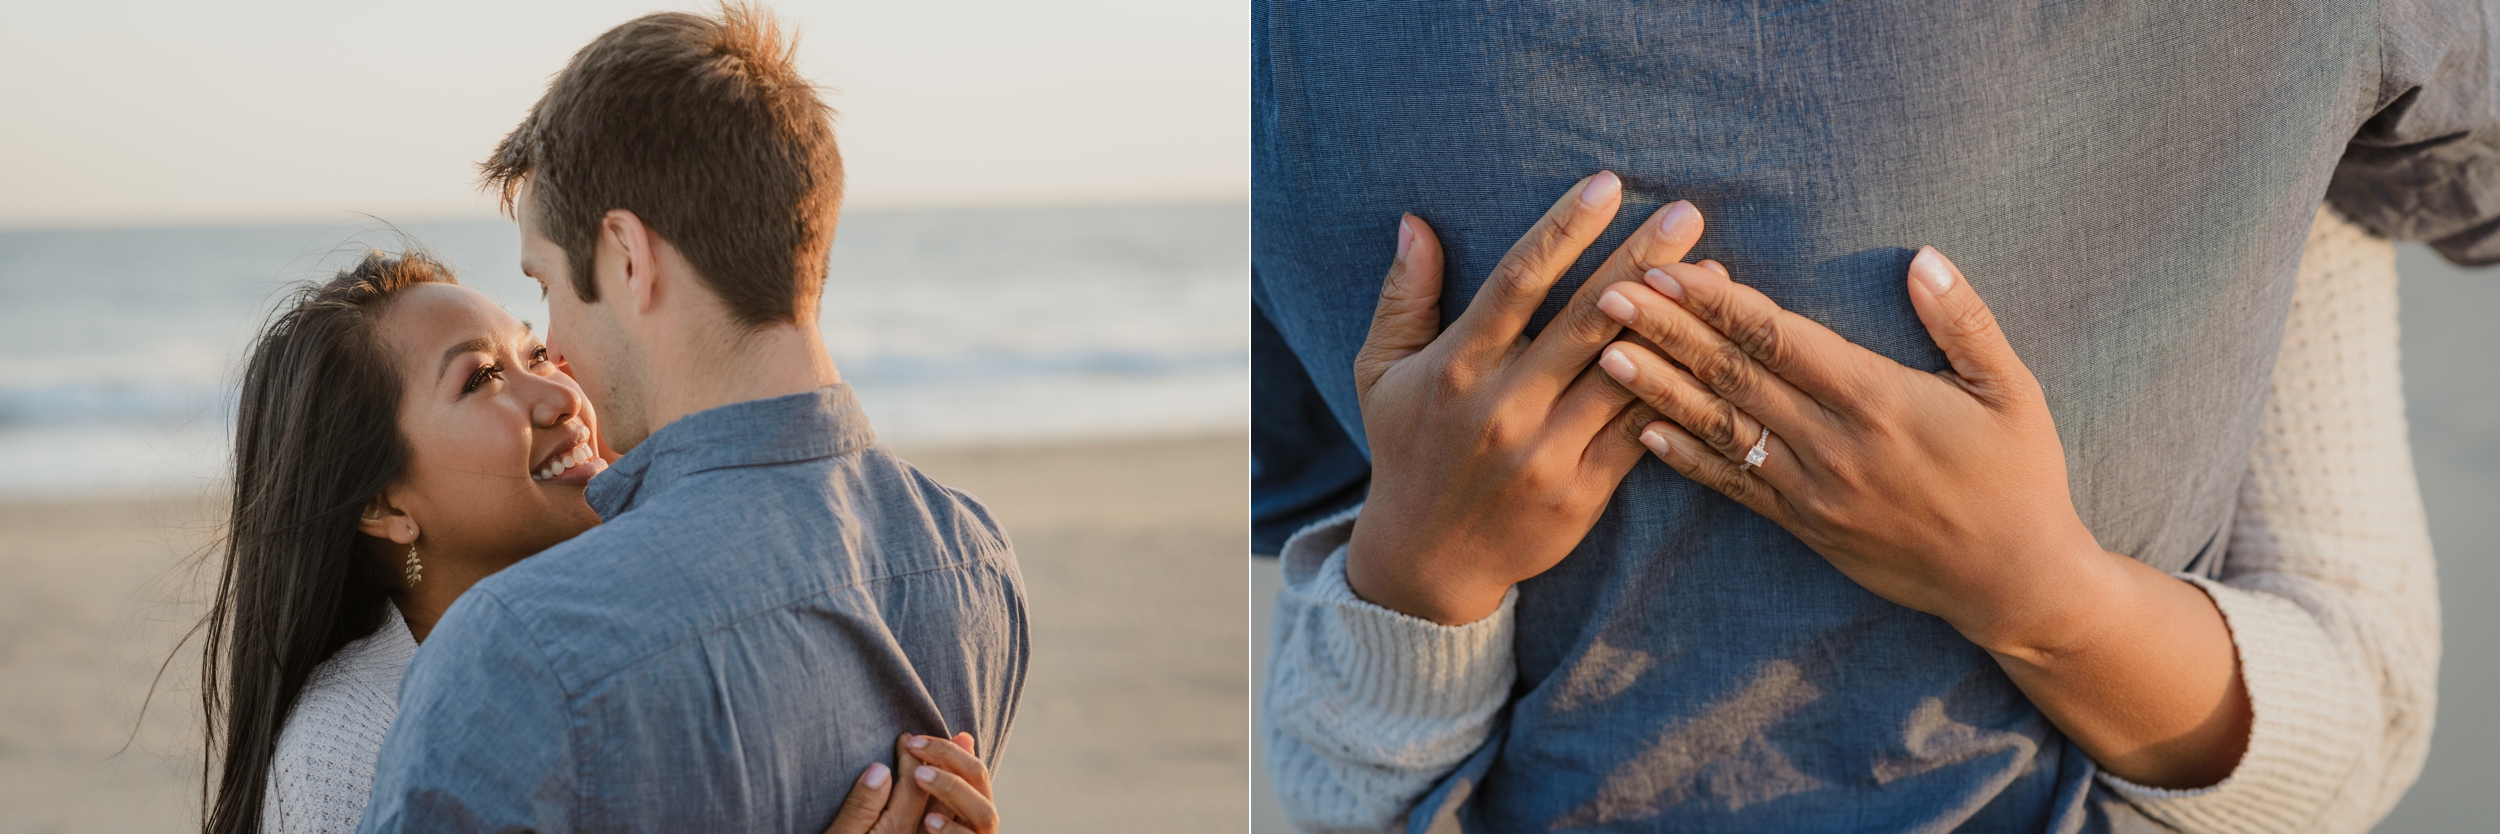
(776,361)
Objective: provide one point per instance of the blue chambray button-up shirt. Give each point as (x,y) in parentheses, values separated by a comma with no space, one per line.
(773,597)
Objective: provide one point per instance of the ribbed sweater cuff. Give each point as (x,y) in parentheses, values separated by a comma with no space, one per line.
(1363,683)
(1411,666)
(2309,708)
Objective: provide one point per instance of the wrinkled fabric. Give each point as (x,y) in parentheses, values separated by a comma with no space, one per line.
(772,599)
(1303,467)
(2128,185)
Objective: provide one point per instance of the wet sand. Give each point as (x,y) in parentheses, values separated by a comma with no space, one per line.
(1134,716)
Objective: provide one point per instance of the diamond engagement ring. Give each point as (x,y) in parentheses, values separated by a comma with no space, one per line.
(1761,451)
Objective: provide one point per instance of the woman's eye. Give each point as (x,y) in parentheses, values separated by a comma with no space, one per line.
(481,375)
(539,355)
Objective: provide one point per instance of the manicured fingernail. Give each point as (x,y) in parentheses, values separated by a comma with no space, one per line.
(876,776)
(935,822)
(1664,283)
(1929,267)
(1406,238)
(1715,266)
(1618,366)
(917,742)
(1601,188)
(925,774)
(1678,219)
(1657,442)
(1616,307)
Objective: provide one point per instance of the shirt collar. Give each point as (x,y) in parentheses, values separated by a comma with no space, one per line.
(815,424)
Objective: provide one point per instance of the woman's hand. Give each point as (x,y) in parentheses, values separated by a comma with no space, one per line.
(946,791)
(1943,492)
(1492,453)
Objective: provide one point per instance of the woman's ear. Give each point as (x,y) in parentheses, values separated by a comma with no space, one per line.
(385,520)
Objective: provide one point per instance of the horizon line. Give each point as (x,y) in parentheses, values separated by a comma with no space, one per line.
(293,220)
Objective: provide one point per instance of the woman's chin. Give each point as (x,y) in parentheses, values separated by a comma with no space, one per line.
(579,476)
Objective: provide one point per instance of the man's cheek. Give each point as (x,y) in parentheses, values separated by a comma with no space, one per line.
(559,327)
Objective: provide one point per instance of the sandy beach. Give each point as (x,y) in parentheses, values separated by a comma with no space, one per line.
(1134,717)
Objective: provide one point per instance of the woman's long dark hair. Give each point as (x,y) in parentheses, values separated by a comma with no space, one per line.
(316,438)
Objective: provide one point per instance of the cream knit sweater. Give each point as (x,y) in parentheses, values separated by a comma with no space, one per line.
(323,773)
(2328,590)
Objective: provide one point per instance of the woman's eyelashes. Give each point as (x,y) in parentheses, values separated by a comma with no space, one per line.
(495,370)
(491,370)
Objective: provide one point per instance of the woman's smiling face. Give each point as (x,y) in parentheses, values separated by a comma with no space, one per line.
(501,440)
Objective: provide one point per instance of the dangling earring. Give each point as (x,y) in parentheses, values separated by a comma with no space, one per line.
(416,571)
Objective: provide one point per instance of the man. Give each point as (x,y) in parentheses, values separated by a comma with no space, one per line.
(772,596)
(2128,187)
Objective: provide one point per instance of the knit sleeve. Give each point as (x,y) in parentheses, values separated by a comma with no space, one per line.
(1366,708)
(2328,585)
(322,771)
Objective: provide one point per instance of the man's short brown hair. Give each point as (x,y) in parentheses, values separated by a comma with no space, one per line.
(703,128)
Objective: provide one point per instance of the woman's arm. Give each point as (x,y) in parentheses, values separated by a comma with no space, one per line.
(2329,584)
(1946,493)
(1492,455)
(1367,709)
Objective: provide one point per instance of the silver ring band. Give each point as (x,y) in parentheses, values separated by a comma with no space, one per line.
(1761,451)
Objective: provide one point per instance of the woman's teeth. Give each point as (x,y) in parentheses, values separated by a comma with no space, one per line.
(570,460)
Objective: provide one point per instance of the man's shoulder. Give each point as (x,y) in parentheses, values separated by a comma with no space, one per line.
(868,502)
(720,546)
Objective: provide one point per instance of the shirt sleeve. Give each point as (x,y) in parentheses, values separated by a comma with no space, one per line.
(2426,165)
(2328,588)
(483,741)
(1367,708)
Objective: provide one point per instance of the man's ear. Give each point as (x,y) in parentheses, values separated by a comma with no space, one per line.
(637,259)
(384,520)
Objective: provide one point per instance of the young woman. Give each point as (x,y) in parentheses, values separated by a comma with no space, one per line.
(400,437)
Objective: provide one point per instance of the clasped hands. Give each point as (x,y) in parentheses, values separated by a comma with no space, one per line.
(1494,454)
(944,789)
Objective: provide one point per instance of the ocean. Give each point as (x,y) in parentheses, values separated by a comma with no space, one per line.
(120,349)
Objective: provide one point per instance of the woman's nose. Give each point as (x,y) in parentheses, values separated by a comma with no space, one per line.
(553,401)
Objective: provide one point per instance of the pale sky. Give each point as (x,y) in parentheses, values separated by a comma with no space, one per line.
(200,114)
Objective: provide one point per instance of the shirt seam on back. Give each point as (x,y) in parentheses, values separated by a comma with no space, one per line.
(775,608)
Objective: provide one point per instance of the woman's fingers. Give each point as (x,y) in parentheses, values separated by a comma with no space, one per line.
(971,804)
(1690,458)
(953,775)
(1966,329)
(1612,452)
(1713,360)
(908,802)
(1584,409)
(1409,313)
(1500,310)
(954,757)
(939,824)
(1726,430)
(1567,344)
(1798,349)
(858,814)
